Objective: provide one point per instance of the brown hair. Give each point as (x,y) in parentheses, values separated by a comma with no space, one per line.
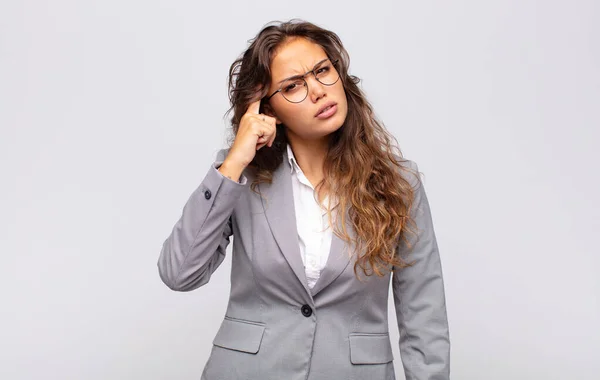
(362,167)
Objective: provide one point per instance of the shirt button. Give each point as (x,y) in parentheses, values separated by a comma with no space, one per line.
(207,194)
(306,311)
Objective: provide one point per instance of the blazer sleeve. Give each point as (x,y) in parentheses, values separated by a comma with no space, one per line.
(419,298)
(196,246)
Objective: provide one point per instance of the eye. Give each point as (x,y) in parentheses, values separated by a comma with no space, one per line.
(322,69)
(290,87)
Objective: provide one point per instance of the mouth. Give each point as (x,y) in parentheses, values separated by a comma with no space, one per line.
(327,110)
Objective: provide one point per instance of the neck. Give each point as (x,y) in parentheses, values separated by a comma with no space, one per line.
(310,155)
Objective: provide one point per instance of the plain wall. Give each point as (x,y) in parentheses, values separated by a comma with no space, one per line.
(112,111)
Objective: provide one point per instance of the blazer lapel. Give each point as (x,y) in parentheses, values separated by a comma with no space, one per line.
(338,259)
(278,203)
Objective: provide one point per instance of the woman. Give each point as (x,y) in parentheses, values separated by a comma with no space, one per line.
(324,215)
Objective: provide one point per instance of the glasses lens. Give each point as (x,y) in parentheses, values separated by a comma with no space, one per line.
(294,90)
(326,73)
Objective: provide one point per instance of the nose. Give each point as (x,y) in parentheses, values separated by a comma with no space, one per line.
(316,89)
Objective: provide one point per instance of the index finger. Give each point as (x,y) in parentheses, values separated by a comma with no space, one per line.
(254,107)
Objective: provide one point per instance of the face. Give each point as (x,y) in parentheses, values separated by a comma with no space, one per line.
(297,57)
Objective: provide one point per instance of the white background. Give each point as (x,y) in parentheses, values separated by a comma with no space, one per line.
(112,111)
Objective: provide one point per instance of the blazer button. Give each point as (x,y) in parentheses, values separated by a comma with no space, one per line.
(306,310)
(207,194)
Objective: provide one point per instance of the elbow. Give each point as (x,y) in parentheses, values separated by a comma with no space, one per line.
(169,278)
(184,272)
(170,268)
(177,281)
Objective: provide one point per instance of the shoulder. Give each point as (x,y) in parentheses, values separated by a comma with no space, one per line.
(409,170)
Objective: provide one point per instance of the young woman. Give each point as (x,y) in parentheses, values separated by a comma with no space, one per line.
(325,212)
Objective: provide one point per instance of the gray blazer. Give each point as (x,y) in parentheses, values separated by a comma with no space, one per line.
(276,327)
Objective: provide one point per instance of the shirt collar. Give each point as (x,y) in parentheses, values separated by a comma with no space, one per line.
(295,167)
(292,160)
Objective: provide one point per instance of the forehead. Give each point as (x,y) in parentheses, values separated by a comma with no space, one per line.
(296,57)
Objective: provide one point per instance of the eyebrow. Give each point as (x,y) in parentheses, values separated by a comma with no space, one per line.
(301,75)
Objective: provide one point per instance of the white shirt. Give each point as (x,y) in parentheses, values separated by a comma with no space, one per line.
(314,232)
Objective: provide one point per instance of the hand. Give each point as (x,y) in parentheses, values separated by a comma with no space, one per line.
(255,131)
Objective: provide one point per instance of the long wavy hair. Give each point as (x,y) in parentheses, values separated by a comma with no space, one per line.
(362,167)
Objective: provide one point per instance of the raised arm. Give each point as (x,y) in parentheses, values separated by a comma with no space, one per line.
(196,246)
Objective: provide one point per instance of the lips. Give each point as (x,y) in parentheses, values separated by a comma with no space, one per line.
(325,107)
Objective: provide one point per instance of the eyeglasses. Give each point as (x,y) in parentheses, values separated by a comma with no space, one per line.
(295,89)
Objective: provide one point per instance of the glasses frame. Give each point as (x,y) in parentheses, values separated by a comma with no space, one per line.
(303,77)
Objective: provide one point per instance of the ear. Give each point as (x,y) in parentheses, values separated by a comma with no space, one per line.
(268,110)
